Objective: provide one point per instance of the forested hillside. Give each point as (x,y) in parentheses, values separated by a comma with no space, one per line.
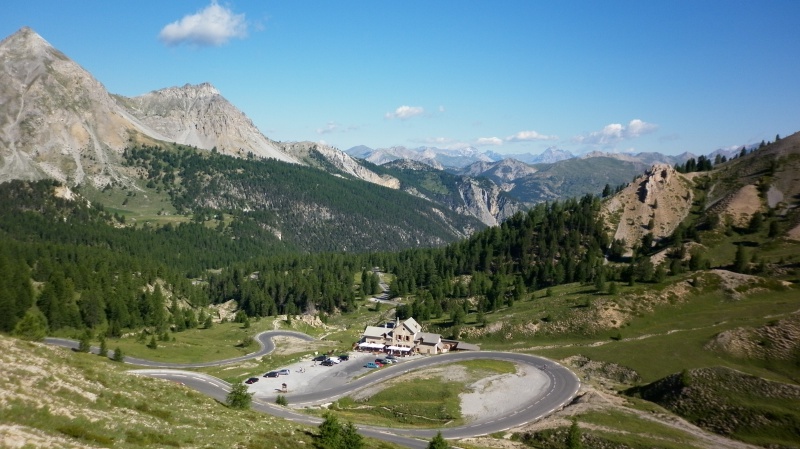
(84,269)
(308,208)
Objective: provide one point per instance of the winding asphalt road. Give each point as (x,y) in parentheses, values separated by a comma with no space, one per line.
(562,386)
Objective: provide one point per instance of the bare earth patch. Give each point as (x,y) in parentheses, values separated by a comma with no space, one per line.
(502,393)
(291,345)
(742,205)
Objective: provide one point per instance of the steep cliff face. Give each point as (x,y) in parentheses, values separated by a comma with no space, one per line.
(200,116)
(56,120)
(486,202)
(656,202)
(333,160)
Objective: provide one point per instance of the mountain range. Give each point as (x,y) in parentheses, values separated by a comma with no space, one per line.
(59,122)
(169,216)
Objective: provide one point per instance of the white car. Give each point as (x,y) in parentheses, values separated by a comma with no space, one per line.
(335,360)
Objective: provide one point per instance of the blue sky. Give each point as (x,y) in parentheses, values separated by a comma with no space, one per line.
(508,76)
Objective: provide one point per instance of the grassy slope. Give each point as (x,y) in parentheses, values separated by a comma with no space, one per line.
(51,397)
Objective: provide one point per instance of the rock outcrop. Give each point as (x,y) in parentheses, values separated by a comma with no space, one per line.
(319,155)
(486,202)
(656,202)
(198,115)
(56,120)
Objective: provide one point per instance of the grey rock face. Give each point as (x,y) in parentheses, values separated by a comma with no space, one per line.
(198,115)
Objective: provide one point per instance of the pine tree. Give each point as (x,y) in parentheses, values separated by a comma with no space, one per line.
(350,438)
(330,432)
(118,356)
(438,442)
(32,326)
(103,347)
(574,436)
(239,397)
(84,344)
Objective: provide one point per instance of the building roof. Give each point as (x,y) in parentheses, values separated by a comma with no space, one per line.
(429,338)
(376,332)
(412,325)
(461,346)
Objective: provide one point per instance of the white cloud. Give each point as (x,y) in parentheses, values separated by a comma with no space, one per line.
(328,128)
(485,141)
(213,26)
(405,112)
(333,127)
(437,141)
(616,132)
(637,128)
(528,136)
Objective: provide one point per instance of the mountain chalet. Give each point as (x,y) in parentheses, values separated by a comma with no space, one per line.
(406,337)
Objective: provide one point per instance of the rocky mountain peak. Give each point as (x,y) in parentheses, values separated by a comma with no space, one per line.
(190,91)
(28,42)
(57,120)
(200,116)
(656,203)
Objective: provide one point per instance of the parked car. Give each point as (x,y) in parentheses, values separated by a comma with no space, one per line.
(388,361)
(272,374)
(334,360)
(344,357)
(327,362)
(251,380)
(284,372)
(371,365)
(391,357)
(381,361)
(320,358)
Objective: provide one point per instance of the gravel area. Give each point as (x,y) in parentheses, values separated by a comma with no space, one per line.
(308,376)
(502,393)
(488,397)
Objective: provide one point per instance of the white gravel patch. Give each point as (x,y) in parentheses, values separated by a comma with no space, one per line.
(503,393)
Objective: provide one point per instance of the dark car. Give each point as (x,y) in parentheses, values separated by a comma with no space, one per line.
(327,362)
(320,358)
(381,361)
(344,357)
(251,380)
(272,374)
(391,357)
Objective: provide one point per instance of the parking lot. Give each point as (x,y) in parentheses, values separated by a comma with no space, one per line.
(309,376)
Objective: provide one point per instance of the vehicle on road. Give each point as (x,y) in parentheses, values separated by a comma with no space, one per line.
(320,358)
(371,365)
(284,372)
(335,360)
(344,357)
(251,380)
(391,357)
(327,362)
(272,374)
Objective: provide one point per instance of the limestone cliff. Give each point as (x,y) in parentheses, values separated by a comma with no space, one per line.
(656,202)
(56,120)
(198,115)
